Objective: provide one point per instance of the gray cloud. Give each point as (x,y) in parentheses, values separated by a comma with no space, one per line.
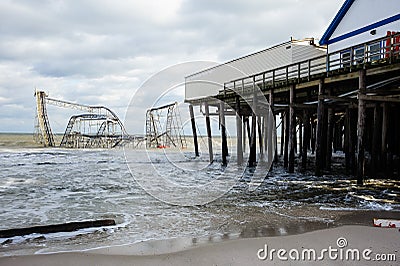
(100,51)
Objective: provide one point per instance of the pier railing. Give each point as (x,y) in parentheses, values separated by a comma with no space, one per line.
(385,50)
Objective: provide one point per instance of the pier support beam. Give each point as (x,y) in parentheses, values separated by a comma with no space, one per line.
(239,130)
(361,128)
(300,136)
(347,139)
(244,119)
(329,138)
(313,134)
(292,129)
(253,137)
(385,127)
(273,123)
(248,131)
(260,134)
(306,140)
(286,152)
(209,137)
(350,140)
(282,132)
(376,140)
(320,118)
(192,120)
(223,133)
(265,133)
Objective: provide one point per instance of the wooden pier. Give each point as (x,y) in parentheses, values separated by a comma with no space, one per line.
(326,104)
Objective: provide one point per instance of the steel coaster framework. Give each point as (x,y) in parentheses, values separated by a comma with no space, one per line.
(98,127)
(164,127)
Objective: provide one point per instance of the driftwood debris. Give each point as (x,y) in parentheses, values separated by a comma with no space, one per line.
(46,229)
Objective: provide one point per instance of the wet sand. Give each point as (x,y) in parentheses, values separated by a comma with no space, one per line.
(241,251)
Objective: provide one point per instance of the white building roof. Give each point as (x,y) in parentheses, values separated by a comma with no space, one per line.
(210,81)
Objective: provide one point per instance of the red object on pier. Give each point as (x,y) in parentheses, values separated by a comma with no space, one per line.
(388,44)
(392,41)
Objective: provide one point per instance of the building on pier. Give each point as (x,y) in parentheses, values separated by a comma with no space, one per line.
(361,21)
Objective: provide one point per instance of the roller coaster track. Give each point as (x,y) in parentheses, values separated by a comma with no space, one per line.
(164,133)
(74,136)
(90,109)
(47,138)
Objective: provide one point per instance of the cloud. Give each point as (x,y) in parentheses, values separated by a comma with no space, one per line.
(99,52)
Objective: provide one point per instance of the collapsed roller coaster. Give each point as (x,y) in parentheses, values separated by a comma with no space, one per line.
(99,127)
(164,127)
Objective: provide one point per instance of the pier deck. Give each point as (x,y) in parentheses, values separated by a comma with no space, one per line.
(330,103)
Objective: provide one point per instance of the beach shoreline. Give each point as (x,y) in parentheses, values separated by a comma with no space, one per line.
(243,251)
(98,185)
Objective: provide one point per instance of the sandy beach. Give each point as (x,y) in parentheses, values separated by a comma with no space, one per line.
(346,245)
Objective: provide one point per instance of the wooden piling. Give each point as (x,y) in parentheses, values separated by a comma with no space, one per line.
(295,135)
(244,130)
(292,129)
(300,136)
(384,144)
(353,134)
(392,138)
(194,131)
(248,131)
(209,136)
(347,139)
(320,118)
(260,134)
(265,130)
(286,153)
(271,153)
(376,140)
(253,133)
(282,132)
(361,127)
(306,136)
(337,135)
(273,123)
(329,138)
(313,134)
(324,137)
(239,130)
(223,133)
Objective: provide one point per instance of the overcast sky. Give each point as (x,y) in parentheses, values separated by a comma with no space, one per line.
(98,52)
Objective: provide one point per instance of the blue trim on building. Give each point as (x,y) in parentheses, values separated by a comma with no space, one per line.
(364,29)
(339,16)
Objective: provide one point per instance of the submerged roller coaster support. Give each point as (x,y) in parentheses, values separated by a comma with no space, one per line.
(99,127)
(164,127)
(43,130)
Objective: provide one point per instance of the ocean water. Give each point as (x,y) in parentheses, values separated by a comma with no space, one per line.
(41,186)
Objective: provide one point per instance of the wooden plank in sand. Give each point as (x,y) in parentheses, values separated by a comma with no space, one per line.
(46,229)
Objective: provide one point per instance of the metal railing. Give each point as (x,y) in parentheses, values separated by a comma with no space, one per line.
(383,50)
